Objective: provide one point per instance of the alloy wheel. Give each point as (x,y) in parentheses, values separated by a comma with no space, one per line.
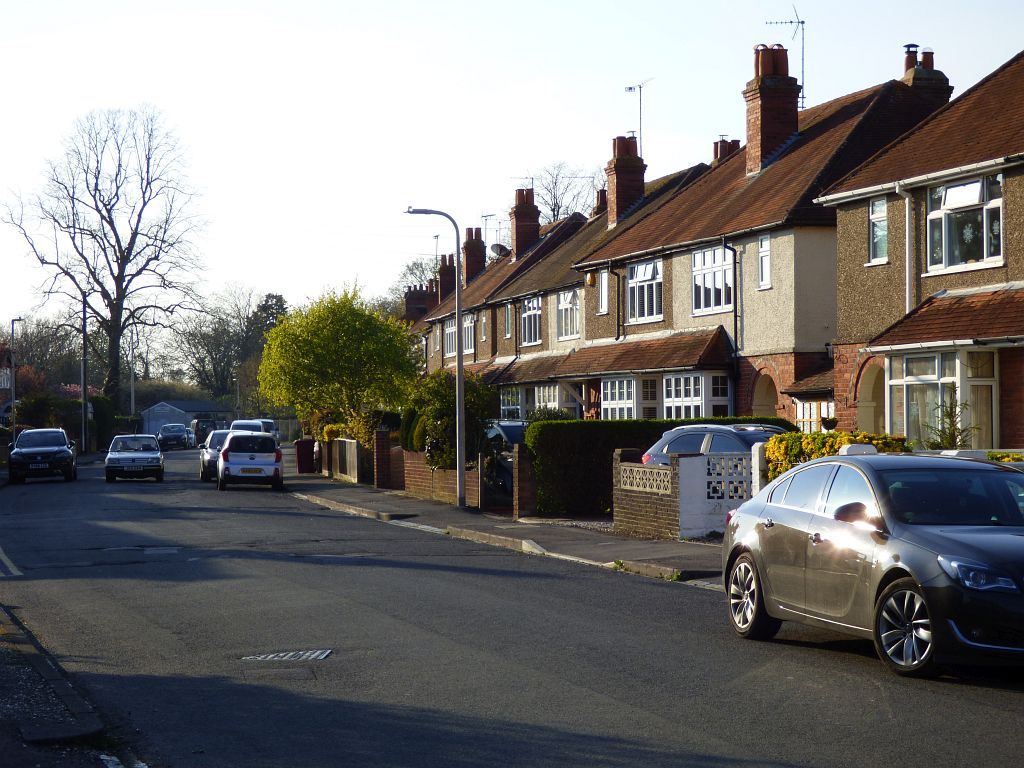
(905,629)
(743,595)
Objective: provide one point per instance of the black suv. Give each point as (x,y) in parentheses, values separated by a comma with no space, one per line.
(172,436)
(42,453)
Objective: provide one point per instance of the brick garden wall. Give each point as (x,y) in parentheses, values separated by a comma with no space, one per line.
(438,484)
(642,513)
(1011,398)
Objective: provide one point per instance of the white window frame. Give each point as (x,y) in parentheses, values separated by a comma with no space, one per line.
(602,292)
(965,196)
(546,396)
(644,289)
(450,338)
(618,398)
(469,332)
(531,321)
(437,336)
(764,261)
(809,413)
(683,395)
(878,231)
(569,314)
(483,326)
(717,401)
(713,288)
(509,320)
(511,402)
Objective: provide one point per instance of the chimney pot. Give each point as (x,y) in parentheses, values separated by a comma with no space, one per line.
(772,111)
(625,177)
(910,59)
(928,58)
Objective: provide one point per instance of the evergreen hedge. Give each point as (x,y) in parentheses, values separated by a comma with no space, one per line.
(572,460)
(784,452)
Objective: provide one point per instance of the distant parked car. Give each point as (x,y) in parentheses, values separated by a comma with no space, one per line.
(247,425)
(270,427)
(191,437)
(134,456)
(209,452)
(923,555)
(42,453)
(172,436)
(202,428)
(709,438)
(250,458)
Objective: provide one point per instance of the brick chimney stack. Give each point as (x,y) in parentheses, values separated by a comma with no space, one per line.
(772,112)
(445,277)
(923,77)
(601,203)
(722,149)
(525,216)
(419,299)
(475,254)
(625,177)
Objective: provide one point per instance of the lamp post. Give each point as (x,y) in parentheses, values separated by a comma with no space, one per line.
(14,408)
(460,378)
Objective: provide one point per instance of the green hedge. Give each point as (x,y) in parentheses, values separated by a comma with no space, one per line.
(572,460)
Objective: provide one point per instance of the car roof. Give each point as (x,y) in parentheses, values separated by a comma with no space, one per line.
(883,461)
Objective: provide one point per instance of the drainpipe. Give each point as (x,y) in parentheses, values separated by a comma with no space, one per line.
(735,321)
(618,304)
(907,198)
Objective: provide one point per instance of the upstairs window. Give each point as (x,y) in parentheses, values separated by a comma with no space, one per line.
(468,333)
(644,286)
(508,321)
(531,321)
(965,223)
(878,232)
(569,314)
(764,262)
(712,281)
(450,338)
(602,292)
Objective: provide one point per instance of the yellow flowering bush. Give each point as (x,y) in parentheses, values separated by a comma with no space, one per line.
(791,448)
(1000,456)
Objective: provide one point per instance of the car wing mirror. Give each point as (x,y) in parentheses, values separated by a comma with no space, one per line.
(10,446)
(859,514)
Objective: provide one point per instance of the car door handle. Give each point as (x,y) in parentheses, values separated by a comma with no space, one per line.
(768,522)
(814,538)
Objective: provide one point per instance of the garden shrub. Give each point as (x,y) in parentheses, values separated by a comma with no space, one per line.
(1005,456)
(785,451)
(406,428)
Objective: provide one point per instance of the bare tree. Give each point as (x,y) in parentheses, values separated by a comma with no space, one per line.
(562,191)
(112,226)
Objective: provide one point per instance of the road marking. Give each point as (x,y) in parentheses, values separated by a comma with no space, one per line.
(11,568)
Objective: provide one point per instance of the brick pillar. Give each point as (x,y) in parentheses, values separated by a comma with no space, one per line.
(524,485)
(381,459)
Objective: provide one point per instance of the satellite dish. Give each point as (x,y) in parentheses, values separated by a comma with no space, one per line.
(500,250)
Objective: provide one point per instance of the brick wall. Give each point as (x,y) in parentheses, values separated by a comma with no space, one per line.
(1011,398)
(643,513)
(524,483)
(850,363)
(438,484)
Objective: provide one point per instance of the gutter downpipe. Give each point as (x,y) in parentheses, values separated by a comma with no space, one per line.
(907,198)
(618,304)
(735,319)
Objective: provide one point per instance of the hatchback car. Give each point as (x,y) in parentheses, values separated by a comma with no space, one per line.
(249,457)
(209,451)
(924,555)
(248,425)
(134,456)
(42,453)
(172,436)
(709,438)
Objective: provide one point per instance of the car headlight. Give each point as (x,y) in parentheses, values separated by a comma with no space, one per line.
(972,575)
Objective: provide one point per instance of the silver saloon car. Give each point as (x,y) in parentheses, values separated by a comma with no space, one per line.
(923,555)
(134,456)
(209,452)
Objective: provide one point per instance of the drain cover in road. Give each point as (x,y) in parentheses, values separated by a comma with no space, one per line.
(291,656)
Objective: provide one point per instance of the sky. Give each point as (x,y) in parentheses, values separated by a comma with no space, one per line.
(310,126)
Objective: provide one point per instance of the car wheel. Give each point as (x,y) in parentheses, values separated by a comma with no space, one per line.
(160,476)
(221,485)
(278,485)
(110,477)
(69,475)
(903,630)
(747,613)
(202,473)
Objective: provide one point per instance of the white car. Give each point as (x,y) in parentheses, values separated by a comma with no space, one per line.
(134,456)
(250,457)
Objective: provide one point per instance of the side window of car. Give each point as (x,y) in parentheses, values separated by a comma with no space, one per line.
(806,487)
(849,485)
(688,442)
(727,444)
(779,491)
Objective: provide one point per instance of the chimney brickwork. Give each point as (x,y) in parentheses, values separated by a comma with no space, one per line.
(923,77)
(525,216)
(475,254)
(419,299)
(625,177)
(445,277)
(772,109)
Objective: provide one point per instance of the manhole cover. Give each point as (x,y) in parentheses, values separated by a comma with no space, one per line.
(291,656)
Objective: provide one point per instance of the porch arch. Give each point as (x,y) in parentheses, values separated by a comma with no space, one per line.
(871,399)
(766,397)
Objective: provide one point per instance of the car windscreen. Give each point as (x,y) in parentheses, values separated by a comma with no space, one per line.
(134,444)
(955,496)
(252,444)
(172,428)
(41,440)
(513,432)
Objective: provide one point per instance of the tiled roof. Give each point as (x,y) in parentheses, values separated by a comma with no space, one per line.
(527,369)
(834,138)
(979,314)
(986,122)
(704,349)
(817,383)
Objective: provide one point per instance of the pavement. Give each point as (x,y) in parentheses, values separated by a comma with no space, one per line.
(43,716)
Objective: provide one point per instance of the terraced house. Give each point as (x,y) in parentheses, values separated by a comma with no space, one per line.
(708,292)
(931,272)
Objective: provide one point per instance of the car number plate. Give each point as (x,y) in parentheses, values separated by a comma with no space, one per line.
(130,468)
(252,471)
(38,466)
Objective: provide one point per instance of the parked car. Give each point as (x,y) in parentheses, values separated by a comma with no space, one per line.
(248,457)
(501,436)
(191,437)
(134,456)
(202,428)
(209,451)
(247,425)
(42,453)
(709,438)
(172,436)
(924,555)
(270,427)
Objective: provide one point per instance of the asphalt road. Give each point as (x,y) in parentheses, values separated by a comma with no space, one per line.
(161,599)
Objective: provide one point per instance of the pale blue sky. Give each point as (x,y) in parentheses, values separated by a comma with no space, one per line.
(311,125)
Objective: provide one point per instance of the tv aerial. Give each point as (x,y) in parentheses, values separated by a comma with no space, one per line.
(638,89)
(798,26)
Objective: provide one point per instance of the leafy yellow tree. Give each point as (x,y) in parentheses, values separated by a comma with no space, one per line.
(338,355)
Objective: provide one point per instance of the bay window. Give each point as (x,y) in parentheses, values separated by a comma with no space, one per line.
(617,400)
(965,223)
(712,281)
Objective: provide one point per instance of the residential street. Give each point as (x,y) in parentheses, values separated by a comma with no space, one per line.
(159,600)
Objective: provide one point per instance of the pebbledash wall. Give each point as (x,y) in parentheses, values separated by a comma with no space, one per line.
(687,499)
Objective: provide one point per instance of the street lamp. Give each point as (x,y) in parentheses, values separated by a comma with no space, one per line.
(460,379)
(14,408)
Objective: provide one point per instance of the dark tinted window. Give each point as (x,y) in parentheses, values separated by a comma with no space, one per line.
(253,444)
(215,440)
(727,444)
(779,491)
(849,485)
(806,486)
(169,429)
(954,496)
(41,439)
(688,442)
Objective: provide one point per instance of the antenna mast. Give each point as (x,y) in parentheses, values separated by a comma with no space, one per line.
(798,25)
(639,90)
